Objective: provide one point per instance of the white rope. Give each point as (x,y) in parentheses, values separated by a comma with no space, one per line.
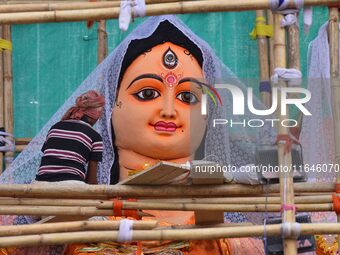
(128,10)
(290,230)
(281,6)
(7,146)
(292,76)
(2,133)
(125,231)
(288,20)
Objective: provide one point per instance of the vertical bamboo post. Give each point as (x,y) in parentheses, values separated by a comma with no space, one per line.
(271,44)
(2,104)
(333,35)
(102,41)
(294,59)
(285,159)
(263,61)
(8,92)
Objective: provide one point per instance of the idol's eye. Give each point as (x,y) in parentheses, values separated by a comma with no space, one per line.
(187,97)
(147,94)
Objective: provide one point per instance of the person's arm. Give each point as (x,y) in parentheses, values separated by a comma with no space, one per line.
(91,177)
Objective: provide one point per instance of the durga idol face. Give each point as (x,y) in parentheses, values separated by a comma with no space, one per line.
(158,107)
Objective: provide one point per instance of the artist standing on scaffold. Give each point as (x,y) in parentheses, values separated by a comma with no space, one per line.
(72,143)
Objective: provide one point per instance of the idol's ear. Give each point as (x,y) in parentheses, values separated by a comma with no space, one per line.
(114,173)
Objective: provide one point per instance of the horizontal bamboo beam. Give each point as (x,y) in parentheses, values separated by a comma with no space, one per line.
(22,141)
(18,230)
(10,7)
(105,209)
(167,234)
(151,10)
(137,191)
(315,199)
(58,211)
(216,207)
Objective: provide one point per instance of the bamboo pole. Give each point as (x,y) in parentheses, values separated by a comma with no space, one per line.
(22,141)
(102,41)
(8,91)
(52,202)
(20,148)
(161,235)
(333,34)
(294,55)
(58,211)
(215,207)
(151,10)
(2,102)
(105,209)
(35,6)
(317,199)
(263,61)
(137,191)
(19,230)
(285,158)
(271,44)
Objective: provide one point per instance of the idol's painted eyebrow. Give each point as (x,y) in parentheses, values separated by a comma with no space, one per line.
(186,79)
(147,75)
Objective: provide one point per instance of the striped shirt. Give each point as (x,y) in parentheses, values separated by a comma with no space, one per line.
(69,146)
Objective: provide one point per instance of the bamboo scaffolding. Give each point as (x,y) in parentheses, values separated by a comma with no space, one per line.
(263,61)
(22,141)
(151,10)
(36,6)
(19,148)
(58,211)
(271,44)
(8,90)
(216,207)
(2,103)
(105,209)
(321,199)
(18,230)
(147,191)
(102,41)
(333,35)
(284,158)
(161,235)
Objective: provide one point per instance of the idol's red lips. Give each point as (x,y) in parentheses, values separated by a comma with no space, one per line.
(165,126)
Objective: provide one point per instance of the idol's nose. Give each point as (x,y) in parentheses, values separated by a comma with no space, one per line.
(168,111)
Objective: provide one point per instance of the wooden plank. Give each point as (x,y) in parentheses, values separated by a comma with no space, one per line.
(161,173)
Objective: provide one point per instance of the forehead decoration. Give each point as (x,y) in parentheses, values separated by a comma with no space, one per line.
(170,79)
(170,59)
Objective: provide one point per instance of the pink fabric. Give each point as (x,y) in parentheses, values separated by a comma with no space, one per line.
(90,104)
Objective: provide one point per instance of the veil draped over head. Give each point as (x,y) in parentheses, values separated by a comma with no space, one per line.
(230,145)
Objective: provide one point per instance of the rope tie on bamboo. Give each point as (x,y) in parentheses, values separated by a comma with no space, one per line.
(292,76)
(6,145)
(119,212)
(288,20)
(287,207)
(261,29)
(265,86)
(125,231)
(284,7)
(286,140)
(290,230)
(129,9)
(5,45)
